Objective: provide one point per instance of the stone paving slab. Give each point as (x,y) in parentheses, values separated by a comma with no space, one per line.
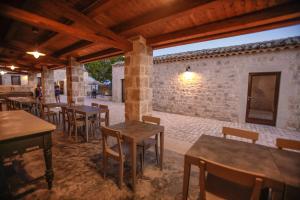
(182,131)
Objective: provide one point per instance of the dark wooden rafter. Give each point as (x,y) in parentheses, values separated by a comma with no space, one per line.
(277,14)
(43,22)
(17,71)
(84,19)
(167,12)
(100,55)
(3,62)
(21,47)
(229,34)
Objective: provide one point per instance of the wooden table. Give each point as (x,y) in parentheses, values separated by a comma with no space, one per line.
(54,105)
(135,132)
(87,111)
(241,155)
(23,101)
(20,131)
(288,163)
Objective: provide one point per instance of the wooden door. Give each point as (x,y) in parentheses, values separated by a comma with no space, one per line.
(262,101)
(123,90)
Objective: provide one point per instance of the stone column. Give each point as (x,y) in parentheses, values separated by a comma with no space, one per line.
(32,81)
(47,79)
(138,71)
(75,82)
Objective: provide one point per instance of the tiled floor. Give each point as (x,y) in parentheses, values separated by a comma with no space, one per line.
(182,131)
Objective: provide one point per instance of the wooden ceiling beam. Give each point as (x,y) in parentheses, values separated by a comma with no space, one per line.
(43,22)
(167,12)
(260,18)
(72,48)
(18,66)
(78,17)
(23,48)
(230,34)
(15,71)
(100,55)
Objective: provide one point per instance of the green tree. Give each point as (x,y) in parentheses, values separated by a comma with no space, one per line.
(102,70)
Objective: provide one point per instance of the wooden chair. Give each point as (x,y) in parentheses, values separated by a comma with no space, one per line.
(104,119)
(74,122)
(46,112)
(282,143)
(95,105)
(222,182)
(148,143)
(64,117)
(240,133)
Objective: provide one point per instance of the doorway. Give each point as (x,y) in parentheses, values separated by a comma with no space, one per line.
(262,100)
(123,90)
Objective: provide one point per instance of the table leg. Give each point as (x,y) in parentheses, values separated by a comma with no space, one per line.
(4,192)
(107,118)
(133,163)
(186,179)
(161,149)
(87,128)
(48,160)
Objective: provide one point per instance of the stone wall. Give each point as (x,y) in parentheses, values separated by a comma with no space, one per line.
(217,87)
(47,78)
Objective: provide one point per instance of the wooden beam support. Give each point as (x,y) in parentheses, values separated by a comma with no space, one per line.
(107,53)
(18,67)
(15,71)
(167,12)
(73,47)
(276,14)
(43,22)
(230,34)
(85,21)
(23,48)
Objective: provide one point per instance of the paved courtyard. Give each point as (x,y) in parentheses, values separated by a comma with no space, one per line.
(182,131)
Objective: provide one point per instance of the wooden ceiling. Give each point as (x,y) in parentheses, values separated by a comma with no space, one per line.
(96,29)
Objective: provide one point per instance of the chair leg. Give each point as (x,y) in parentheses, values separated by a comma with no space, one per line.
(142,163)
(104,165)
(76,138)
(156,150)
(121,172)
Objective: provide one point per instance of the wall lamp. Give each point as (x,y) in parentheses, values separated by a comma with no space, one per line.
(188,69)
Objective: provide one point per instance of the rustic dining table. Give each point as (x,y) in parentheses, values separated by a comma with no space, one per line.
(20,132)
(23,101)
(134,132)
(86,111)
(281,168)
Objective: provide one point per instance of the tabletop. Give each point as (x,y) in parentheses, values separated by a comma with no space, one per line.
(288,163)
(236,154)
(18,123)
(52,105)
(137,130)
(23,99)
(86,109)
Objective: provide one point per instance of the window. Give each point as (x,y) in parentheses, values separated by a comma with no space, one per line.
(15,80)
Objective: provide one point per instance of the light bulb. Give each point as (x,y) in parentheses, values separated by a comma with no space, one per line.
(12,67)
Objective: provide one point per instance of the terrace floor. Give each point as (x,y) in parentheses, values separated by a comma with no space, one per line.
(78,166)
(182,131)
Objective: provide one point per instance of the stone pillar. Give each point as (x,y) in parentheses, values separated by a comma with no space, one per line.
(32,81)
(47,79)
(138,72)
(75,82)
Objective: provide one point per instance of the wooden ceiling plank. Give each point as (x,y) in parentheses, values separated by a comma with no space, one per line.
(100,55)
(43,22)
(21,47)
(270,15)
(84,20)
(230,34)
(167,12)
(73,47)
(18,66)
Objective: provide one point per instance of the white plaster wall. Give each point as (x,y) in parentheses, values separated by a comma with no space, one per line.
(117,76)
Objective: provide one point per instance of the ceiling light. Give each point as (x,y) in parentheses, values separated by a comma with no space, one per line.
(2,72)
(12,67)
(35,54)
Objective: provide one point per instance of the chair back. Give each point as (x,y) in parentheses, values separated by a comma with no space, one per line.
(72,103)
(240,133)
(104,107)
(240,177)
(94,105)
(71,115)
(150,119)
(116,137)
(282,143)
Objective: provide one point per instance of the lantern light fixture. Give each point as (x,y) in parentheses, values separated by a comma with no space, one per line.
(35,54)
